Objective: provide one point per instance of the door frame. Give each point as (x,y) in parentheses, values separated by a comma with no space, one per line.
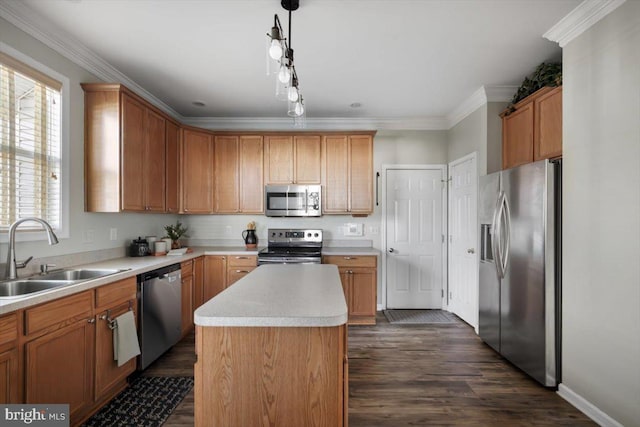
(443,179)
(473,155)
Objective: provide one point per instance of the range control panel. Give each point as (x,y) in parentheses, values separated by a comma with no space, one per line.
(294,236)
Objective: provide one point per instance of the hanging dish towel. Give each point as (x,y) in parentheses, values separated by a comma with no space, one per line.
(125,338)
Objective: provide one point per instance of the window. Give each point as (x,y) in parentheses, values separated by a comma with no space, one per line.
(30,145)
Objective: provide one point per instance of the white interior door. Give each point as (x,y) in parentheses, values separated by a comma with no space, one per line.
(463,238)
(414,239)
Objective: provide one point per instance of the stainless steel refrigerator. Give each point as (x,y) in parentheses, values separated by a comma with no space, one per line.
(520,266)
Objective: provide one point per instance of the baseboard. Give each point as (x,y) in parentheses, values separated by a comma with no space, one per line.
(588,408)
(379,307)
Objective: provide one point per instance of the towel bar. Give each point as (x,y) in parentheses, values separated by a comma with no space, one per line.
(112,322)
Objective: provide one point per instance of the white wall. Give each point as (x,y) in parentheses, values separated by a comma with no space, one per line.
(128,225)
(494,136)
(601,254)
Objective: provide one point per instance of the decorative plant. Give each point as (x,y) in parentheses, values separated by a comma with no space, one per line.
(175,232)
(251,225)
(546,74)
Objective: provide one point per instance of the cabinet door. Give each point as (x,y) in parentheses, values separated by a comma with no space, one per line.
(278,159)
(307,159)
(108,373)
(187,305)
(9,376)
(336,174)
(251,174)
(59,368)
(198,282)
(154,162)
(215,276)
(133,151)
(517,137)
(227,179)
(172,162)
(548,125)
(362,298)
(361,174)
(196,170)
(345,279)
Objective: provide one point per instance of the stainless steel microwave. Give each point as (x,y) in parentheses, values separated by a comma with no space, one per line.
(293,200)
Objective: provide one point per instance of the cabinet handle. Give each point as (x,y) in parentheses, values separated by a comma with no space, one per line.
(350,271)
(348,258)
(242,271)
(224,258)
(242,257)
(91,320)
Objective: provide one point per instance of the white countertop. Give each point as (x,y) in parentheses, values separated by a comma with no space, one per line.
(279,295)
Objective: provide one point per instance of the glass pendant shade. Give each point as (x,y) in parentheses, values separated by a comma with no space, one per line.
(293,93)
(275,50)
(284,75)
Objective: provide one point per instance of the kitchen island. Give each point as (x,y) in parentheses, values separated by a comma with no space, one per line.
(272,350)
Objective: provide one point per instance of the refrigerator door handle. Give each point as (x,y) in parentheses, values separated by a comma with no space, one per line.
(507,240)
(497,235)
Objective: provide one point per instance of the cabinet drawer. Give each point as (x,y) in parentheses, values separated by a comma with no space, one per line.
(186,269)
(8,328)
(59,312)
(350,260)
(242,261)
(121,290)
(235,274)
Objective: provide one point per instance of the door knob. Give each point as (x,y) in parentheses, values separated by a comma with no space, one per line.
(471,251)
(391,250)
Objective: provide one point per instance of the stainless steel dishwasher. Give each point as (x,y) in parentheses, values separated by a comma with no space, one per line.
(160,312)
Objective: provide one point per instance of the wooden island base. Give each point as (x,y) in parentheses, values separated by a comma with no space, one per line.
(271,376)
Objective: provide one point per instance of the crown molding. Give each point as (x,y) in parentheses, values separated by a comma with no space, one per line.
(32,23)
(326,123)
(477,99)
(580,19)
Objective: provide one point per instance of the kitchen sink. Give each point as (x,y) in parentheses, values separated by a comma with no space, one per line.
(23,287)
(75,274)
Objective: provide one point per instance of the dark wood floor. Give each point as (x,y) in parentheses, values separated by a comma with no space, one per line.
(420,375)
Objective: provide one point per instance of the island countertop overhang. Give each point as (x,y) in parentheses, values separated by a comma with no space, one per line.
(283,295)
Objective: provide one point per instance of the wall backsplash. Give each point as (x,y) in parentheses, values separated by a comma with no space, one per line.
(229,228)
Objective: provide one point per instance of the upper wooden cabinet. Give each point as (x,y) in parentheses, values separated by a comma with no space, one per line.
(347,176)
(196,156)
(172,171)
(238,174)
(533,131)
(125,134)
(292,159)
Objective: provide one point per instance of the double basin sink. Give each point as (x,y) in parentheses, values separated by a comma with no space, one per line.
(44,282)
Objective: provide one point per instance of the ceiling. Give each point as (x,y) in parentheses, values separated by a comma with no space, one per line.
(400,59)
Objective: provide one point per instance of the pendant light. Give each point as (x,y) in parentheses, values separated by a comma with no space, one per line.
(280,59)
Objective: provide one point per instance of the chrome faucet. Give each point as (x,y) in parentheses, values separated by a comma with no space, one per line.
(12,264)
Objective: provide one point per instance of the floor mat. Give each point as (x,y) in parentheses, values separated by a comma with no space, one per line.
(148,401)
(418,317)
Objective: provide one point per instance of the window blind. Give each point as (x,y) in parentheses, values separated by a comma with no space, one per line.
(30,145)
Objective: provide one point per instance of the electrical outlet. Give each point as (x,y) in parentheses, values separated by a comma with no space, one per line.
(374,230)
(88,236)
(113,234)
(227,230)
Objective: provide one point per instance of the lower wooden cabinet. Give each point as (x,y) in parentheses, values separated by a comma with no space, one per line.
(112,301)
(215,276)
(59,368)
(187,304)
(239,266)
(9,373)
(359,282)
(9,376)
